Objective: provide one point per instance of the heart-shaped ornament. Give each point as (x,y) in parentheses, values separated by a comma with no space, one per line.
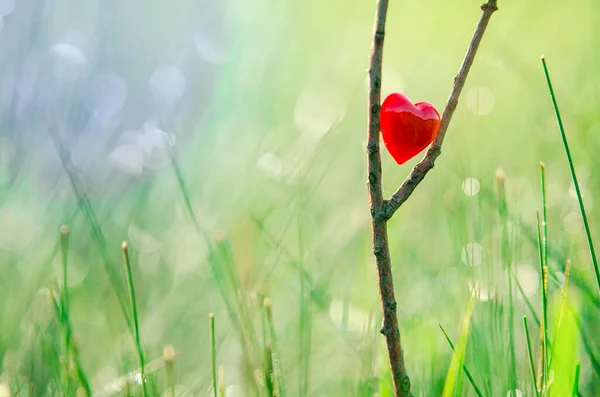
(407,129)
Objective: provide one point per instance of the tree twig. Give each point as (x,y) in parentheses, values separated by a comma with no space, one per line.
(381,210)
(424,166)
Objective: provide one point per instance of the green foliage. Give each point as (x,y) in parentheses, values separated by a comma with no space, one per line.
(269,200)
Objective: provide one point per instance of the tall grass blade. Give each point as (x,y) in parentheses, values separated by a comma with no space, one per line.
(576,380)
(544,322)
(304,312)
(221,265)
(64,248)
(464,366)
(138,342)
(564,357)
(573,174)
(277,372)
(507,261)
(73,353)
(85,207)
(530,356)
(269,372)
(213,352)
(457,363)
(544,214)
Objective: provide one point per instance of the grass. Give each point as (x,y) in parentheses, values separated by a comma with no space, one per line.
(265,197)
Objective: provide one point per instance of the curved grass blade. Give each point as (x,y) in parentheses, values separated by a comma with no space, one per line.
(138,342)
(458,357)
(530,355)
(573,175)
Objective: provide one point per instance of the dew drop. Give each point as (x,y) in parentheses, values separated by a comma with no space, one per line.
(529,280)
(472,254)
(6,7)
(573,223)
(167,85)
(270,164)
(69,62)
(470,186)
(106,96)
(480,291)
(127,158)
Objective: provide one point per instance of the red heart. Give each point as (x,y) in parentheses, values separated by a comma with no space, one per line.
(407,129)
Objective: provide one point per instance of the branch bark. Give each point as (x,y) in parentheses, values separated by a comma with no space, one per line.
(382,210)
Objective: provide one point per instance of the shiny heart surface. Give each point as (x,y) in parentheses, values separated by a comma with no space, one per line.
(407,129)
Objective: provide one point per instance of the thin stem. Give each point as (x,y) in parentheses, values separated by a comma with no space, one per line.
(588,233)
(530,355)
(277,372)
(544,214)
(138,342)
(506,259)
(544,316)
(64,248)
(213,352)
(169,359)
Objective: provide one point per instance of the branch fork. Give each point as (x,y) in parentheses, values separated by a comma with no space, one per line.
(383,210)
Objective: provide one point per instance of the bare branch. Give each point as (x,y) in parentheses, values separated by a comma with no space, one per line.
(382,210)
(424,166)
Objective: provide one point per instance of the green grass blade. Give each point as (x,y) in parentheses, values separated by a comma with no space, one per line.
(450,385)
(564,356)
(544,322)
(561,307)
(277,372)
(138,342)
(463,365)
(85,207)
(269,372)
(64,248)
(528,303)
(530,356)
(544,214)
(576,380)
(573,175)
(213,352)
(507,261)
(73,353)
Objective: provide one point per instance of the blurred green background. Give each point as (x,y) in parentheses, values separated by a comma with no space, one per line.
(261,105)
